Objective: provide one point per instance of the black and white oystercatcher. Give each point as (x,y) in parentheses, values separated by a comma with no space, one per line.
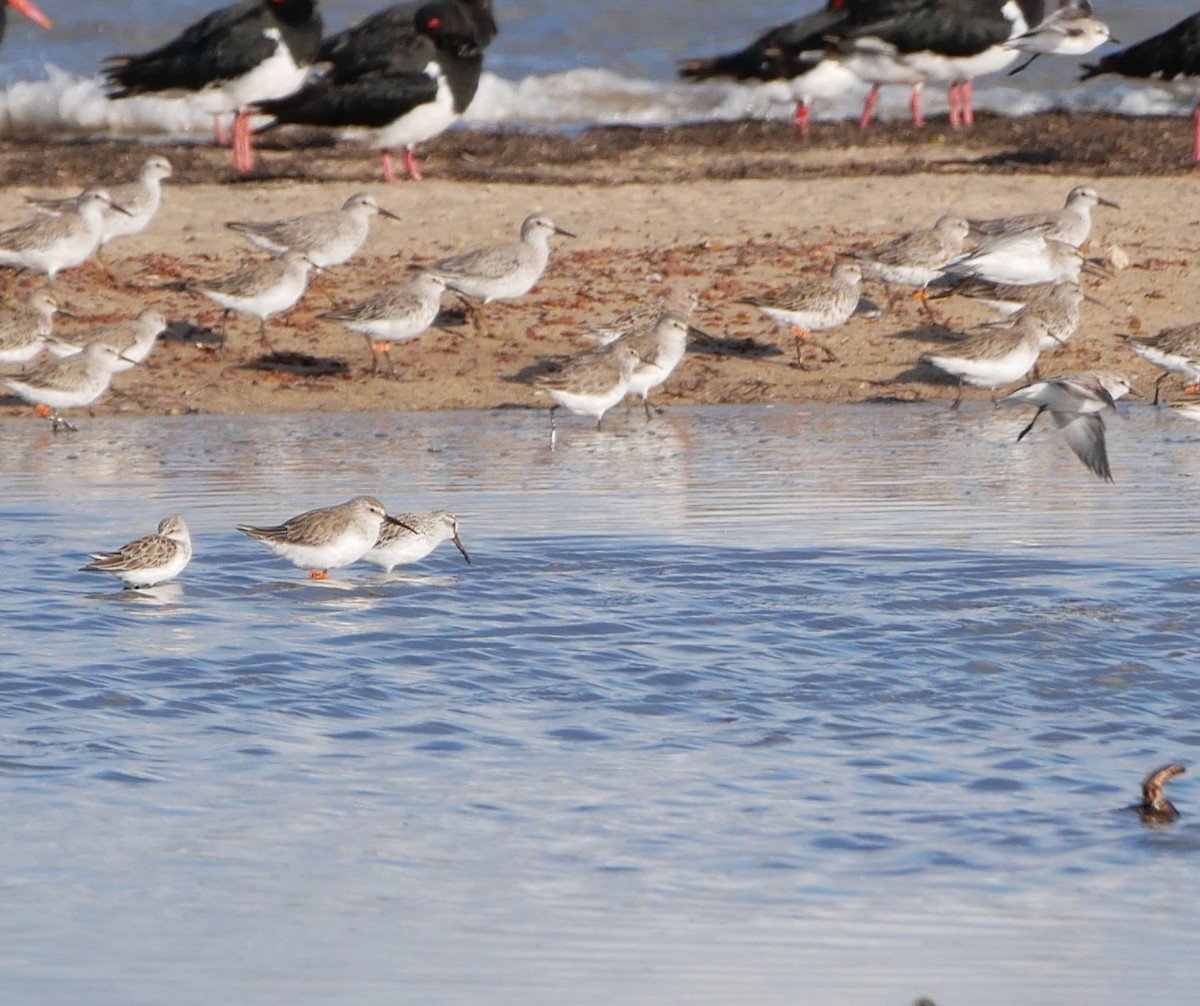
(404,92)
(252,51)
(1172,57)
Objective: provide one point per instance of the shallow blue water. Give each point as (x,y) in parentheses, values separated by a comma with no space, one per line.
(751,705)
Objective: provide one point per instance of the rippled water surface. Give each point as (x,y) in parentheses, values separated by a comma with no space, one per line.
(753,705)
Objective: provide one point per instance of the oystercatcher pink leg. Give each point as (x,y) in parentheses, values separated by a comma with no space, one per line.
(952,98)
(410,165)
(967,90)
(243,151)
(869,107)
(219,135)
(800,116)
(389,171)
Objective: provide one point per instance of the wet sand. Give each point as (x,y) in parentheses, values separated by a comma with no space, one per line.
(729,210)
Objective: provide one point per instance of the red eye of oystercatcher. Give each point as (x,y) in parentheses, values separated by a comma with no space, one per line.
(433,22)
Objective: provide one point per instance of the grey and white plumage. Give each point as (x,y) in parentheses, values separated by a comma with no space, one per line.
(1072,224)
(396,313)
(134,338)
(592,383)
(139,201)
(260,288)
(70,382)
(327,238)
(413,539)
(1003,298)
(994,357)
(918,257)
(1058,307)
(49,244)
(1173,350)
(643,316)
(26,326)
(326,538)
(660,350)
(147,561)
(814,305)
(1071,29)
(1019,257)
(1075,402)
(501,272)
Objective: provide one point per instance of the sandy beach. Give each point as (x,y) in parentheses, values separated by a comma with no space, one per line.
(727,210)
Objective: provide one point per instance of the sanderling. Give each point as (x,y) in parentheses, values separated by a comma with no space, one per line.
(1075,402)
(992,358)
(814,306)
(415,538)
(260,289)
(1174,351)
(1072,224)
(147,561)
(396,313)
(132,339)
(50,244)
(26,326)
(660,350)
(590,384)
(918,257)
(1154,807)
(500,272)
(1070,29)
(326,239)
(139,201)
(326,538)
(67,383)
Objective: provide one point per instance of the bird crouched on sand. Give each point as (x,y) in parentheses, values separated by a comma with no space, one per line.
(402,97)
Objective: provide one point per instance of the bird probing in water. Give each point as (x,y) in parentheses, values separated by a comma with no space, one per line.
(1155,808)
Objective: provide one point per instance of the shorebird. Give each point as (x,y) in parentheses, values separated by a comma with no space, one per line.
(1075,402)
(992,358)
(499,272)
(917,258)
(1174,351)
(643,316)
(50,244)
(397,313)
(659,348)
(788,59)
(326,538)
(137,200)
(1154,807)
(26,326)
(1072,224)
(259,289)
(590,384)
(1020,257)
(814,305)
(249,52)
(401,95)
(133,339)
(1070,29)
(415,538)
(1171,57)
(148,561)
(1058,308)
(67,383)
(327,238)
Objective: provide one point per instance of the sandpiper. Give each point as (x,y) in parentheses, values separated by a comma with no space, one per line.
(132,339)
(1058,307)
(814,305)
(415,538)
(67,383)
(326,538)
(918,257)
(1070,29)
(660,350)
(994,357)
(50,244)
(138,200)
(151,560)
(26,326)
(396,313)
(500,272)
(327,238)
(1072,224)
(259,289)
(1075,402)
(1174,351)
(1024,256)
(590,384)
(643,316)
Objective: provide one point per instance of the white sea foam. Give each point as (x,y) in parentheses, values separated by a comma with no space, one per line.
(64,105)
